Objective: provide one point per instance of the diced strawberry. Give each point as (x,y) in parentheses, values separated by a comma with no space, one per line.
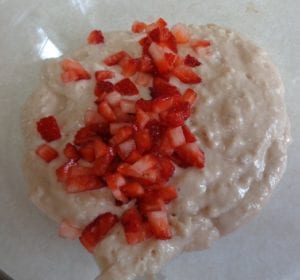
(162,103)
(106,111)
(103,87)
(158,55)
(145,105)
(104,75)
(159,225)
(122,135)
(48,128)
(93,118)
(95,37)
(133,157)
(186,75)
(156,129)
(102,163)
(143,140)
(127,106)
(62,172)
(191,154)
(67,230)
(129,66)
(71,152)
(167,39)
(161,23)
(87,152)
(123,117)
(165,147)
(97,230)
(176,136)
(166,168)
(191,61)
(167,194)
(46,152)
(181,33)
(145,43)
(115,181)
(154,34)
(82,184)
(114,98)
(150,202)
(163,88)
(127,170)
(114,127)
(146,64)
(85,135)
(190,96)
(141,118)
(189,136)
(73,71)
(115,58)
(144,164)
(100,148)
(143,79)
(133,226)
(76,171)
(151,175)
(126,87)
(197,43)
(125,148)
(138,27)
(133,190)
(177,115)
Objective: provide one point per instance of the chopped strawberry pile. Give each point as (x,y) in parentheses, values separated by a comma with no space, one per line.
(129,144)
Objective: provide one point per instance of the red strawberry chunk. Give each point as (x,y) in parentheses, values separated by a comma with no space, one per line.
(100,148)
(48,128)
(85,135)
(127,106)
(76,170)
(190,96)
(143,79)
(82,183)
(93,118)
(114,127)
(167,194)
(104,75)
(162,103)
(62,172)
(133,190)
(106,111)
(145,63)
(87,152)
(114,98)
(186,75)
(189,136)
(115,181)
(133,226)
(145,43)
(181,33)
(122,134)
(151,176)
(143,140)
(103,87)
(102,163)
(150,202)
(97,230)
(176,136)
(158,55)
(67,230)
(144,164)
(46,152)
(166,168)
(95,37)
(133,157)
(145,105)
(191,61)
(165,147)
(138,27)
(125,148)
(73,71)
(191,154)
(177,115)
(129,66)
(141,118)
(197,43)
(156,129)
(163,88)
(127,170)
(114,59)
(126,87)
(71,152)
(159,225)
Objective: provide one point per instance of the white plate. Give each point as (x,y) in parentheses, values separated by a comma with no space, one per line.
(32,30)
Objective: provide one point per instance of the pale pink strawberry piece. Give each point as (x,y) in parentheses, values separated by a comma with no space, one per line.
(191,154)
(186,75)
(127,106)
(122,135)
(138,27)
(93,118)
(133,189)
(126,170)
(106,111)
(141,118)
(71,152)
(152,176)
(68,231)
(104,75)
(115,58)
(115,181)
(114,127)
(82,184)
(48,128)
(124,149)
(46,152)
(126,87)
(144,164)
(159,224)
(73,71)
(181,33)
(198,43)
(143,79)
(158,55)
(145,62)
(176,136)
(189,136)
(95,37)
(190,96)
(113,98)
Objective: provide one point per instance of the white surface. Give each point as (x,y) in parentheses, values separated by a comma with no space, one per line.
(266,248)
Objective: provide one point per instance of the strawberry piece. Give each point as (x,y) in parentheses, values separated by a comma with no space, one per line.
(62,172)
(127,170)
(145,43)
(95,37)
(145,105)
(177,115)
(197,43)
(71,152)
(85,135)
(144,164)
(166,168)
(125,148)
(162,103)
(104,75)
(141,118)
(97,230)
(191,61)
(191,154)
(159,225)
(143,79)
(133,157)
(143,140)
(76,171)
(145,63)
(103,87)
(100,148)
(163,88)
(129,66)
(115,181)
(190,96)
(165,147)
(67,230)
(150,202)
(158,55)
(46,152)
(82,184)
(189,136)
(151,176)
(114,127)
(115,58)
(167,39)
(167,194)
(156,129)
(93,118)
(102,163)
(122,135)
(48,128)
(87,152)
(133,226)
(186,75)
(114,98)
(127,106)
(138,27)
(176,136)
(154,34)
(126,87)
(73,71)
(181,33)
(106,111)
(161,23)
(133,190)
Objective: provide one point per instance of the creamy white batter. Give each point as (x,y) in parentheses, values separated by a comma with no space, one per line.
(241,123)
